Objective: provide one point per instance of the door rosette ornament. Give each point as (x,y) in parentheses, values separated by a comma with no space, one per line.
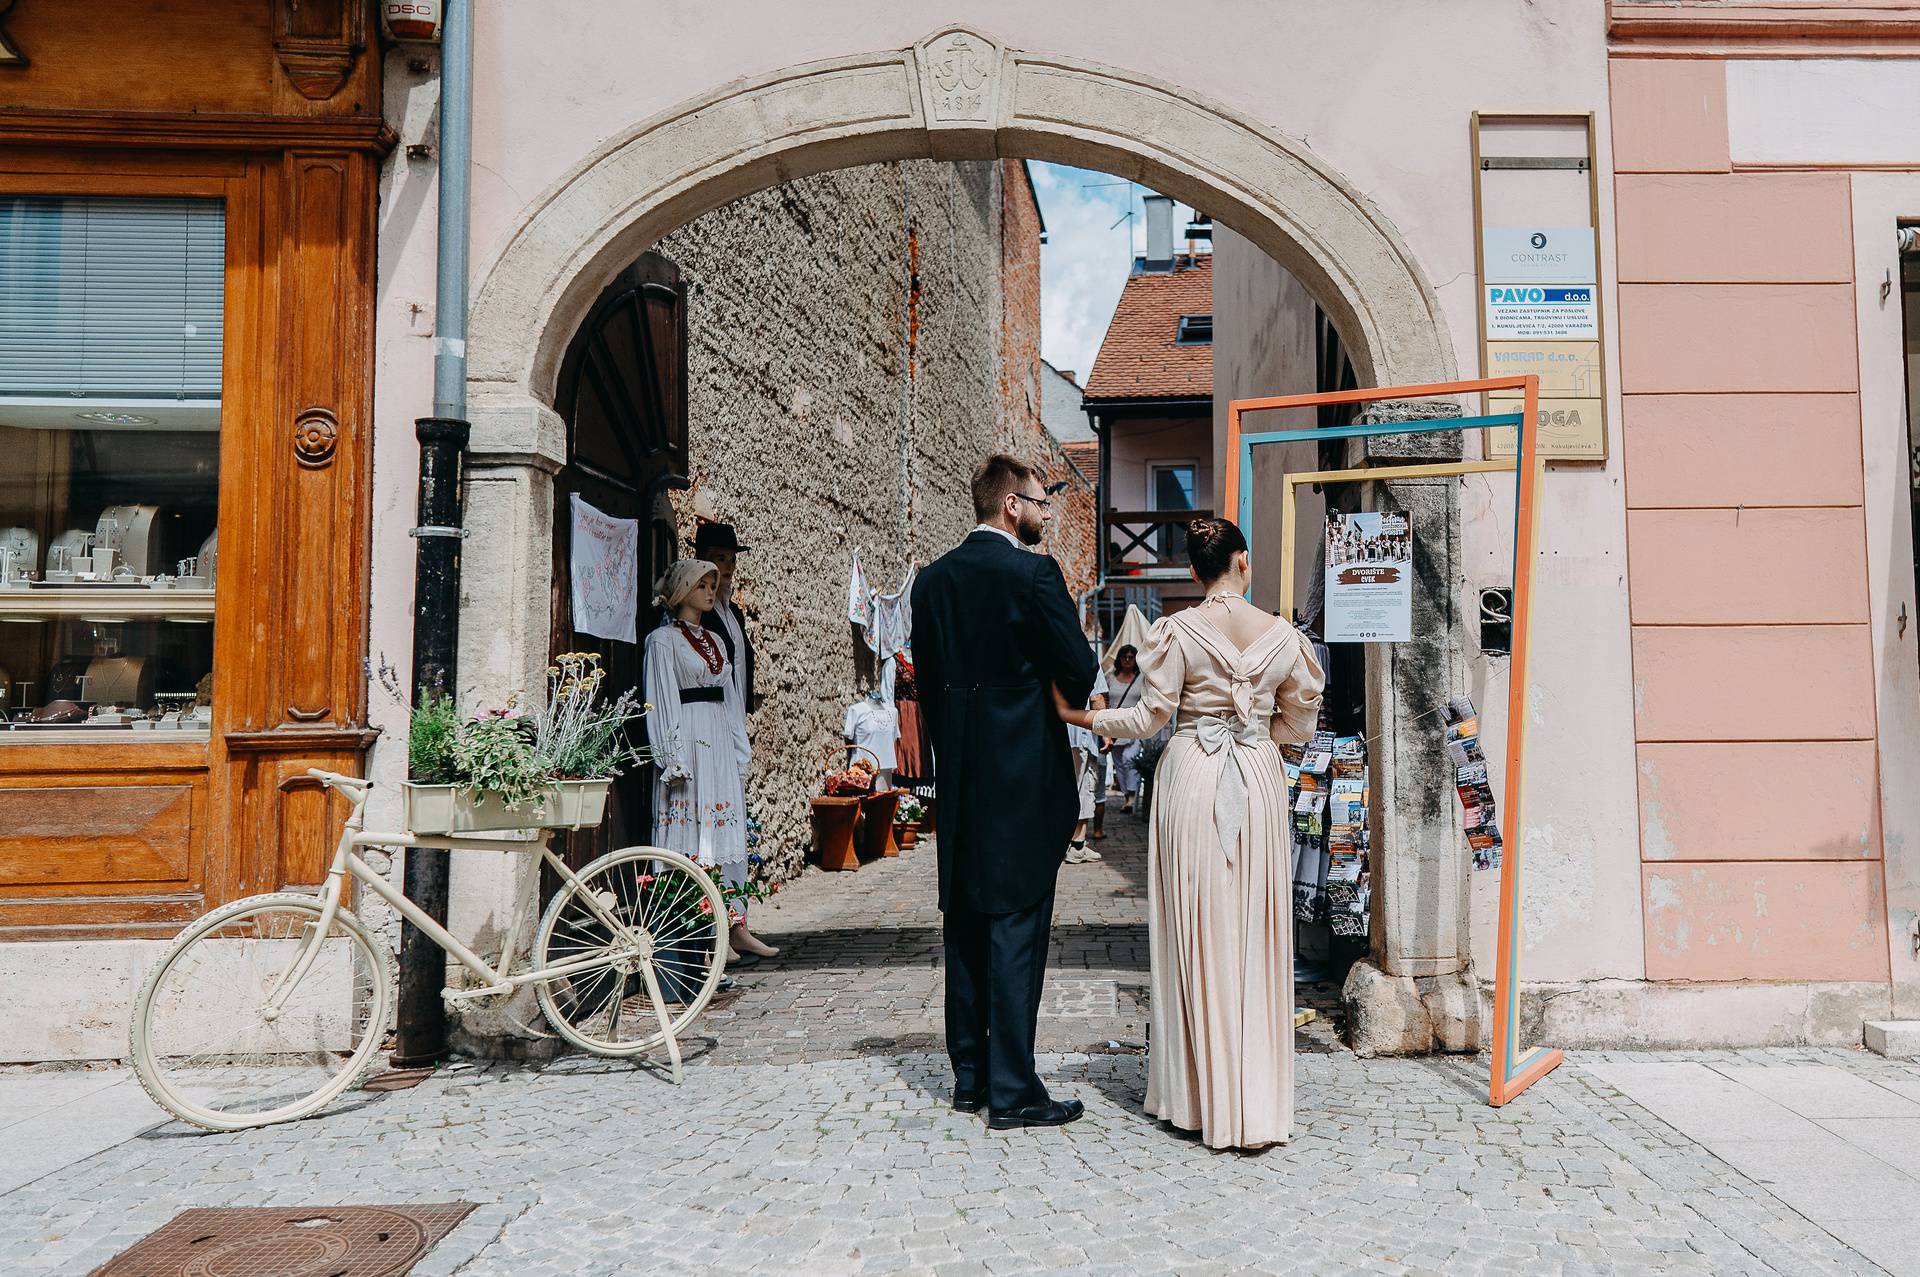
(316,432)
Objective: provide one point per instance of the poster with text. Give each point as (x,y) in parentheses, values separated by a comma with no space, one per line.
(1369,579)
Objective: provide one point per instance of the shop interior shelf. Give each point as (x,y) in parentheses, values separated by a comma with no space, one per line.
(105,603)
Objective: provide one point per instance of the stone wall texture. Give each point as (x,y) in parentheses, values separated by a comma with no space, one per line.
(855,343)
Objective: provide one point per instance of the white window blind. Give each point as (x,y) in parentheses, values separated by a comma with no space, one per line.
(108,298)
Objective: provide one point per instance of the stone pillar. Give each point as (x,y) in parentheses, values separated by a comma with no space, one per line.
(1416,992)
(517,447)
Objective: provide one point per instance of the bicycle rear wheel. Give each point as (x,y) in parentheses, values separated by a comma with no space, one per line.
(672,919)
(211,1047)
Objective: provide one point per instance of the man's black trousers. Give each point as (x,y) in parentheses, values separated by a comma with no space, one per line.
(995,965)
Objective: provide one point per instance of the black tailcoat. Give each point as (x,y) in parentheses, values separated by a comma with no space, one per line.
(993,629)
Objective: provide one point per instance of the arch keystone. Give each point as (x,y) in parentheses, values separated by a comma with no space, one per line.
(961,74)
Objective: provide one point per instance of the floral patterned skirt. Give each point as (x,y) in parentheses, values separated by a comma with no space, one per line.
(704,816)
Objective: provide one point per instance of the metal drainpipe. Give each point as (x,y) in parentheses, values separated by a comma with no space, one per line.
(421,1025)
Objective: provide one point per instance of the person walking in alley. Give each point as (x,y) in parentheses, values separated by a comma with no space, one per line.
(995,639)
(1220,868)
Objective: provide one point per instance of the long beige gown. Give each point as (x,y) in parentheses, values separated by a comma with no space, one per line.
(1220,874)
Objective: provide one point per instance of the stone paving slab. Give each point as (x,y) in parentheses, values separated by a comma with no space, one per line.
(858,1166)
(812,1134)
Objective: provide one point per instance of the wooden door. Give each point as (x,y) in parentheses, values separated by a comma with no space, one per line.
(623,395)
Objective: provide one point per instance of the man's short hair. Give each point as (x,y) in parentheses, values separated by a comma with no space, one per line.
(997,476)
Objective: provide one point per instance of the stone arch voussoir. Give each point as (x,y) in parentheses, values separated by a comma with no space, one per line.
(956,95)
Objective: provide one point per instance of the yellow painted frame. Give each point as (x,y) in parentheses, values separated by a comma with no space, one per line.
(1513,1069)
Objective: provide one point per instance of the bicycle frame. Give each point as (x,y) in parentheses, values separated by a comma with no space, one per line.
(496,980)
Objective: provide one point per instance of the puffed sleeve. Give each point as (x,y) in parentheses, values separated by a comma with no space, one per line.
(1163,669)
(1296,702)
(663,690)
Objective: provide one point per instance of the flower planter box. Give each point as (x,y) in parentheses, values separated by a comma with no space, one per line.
(876,832)
(833,824)
(906,835)
(453,809)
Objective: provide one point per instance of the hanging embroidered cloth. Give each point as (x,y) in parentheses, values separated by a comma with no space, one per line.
(605,573)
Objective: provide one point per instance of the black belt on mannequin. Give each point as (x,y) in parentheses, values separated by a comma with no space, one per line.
(695,695)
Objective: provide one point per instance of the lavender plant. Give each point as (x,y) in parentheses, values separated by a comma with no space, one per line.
(578,734)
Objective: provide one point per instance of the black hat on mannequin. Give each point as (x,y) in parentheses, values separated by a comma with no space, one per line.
(709,535)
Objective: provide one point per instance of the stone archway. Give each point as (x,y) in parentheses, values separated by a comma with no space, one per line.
(956,95)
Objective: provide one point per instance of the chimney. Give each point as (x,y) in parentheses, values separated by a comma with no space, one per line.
(1159,233)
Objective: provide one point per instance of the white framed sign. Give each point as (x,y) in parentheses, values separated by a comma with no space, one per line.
(1538,255)
(1542,312)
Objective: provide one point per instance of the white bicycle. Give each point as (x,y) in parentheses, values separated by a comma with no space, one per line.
(268,1008)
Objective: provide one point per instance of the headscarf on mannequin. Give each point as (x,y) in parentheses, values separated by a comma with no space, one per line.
(679,580)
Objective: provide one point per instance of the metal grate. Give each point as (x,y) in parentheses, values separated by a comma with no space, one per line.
(299,1241)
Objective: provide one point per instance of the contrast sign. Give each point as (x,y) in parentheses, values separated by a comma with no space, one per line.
(1539,255)
(1369,597)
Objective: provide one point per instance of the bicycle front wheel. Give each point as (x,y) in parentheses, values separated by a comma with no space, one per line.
(218,1041)
(652,912)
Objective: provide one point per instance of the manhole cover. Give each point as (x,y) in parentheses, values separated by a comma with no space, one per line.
(303,1241)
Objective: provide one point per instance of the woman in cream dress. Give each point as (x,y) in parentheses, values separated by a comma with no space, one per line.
(1237,682)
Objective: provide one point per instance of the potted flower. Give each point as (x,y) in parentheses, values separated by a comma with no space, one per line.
(908,817)
(507,770)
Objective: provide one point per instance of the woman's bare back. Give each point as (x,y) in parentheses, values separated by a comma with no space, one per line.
(1239,621)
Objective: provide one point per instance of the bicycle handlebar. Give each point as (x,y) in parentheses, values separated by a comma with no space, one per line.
(337,781)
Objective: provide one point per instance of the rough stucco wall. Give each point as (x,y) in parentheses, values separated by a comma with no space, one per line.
(800,390)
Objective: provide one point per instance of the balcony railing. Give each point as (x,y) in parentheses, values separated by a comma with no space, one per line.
(1147,542)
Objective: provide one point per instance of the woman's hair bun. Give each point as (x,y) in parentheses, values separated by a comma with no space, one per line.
(1211,545)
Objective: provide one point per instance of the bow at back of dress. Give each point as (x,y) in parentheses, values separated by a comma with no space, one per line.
(1242,668)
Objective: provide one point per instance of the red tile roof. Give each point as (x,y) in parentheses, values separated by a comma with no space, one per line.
(1085,455)
(1139,358)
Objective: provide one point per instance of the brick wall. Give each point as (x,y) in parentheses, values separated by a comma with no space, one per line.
(847,368)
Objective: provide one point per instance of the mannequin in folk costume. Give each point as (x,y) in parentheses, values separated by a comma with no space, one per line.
(698,731)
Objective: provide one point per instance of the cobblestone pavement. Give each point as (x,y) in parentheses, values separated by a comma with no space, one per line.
(813,1136)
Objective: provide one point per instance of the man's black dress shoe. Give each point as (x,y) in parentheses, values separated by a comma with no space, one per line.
(1052,1113)
(968,1101)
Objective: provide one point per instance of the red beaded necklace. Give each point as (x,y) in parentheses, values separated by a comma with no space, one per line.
(704,643)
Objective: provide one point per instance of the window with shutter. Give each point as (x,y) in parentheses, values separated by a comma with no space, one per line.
(111,328)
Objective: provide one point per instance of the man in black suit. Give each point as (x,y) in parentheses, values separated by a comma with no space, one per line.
(719,545)
(994,631)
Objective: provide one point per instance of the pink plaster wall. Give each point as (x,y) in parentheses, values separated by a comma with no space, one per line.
(1747,567)
(1759,800)
(1669,116)
(1753,679)
(1758,921)
(1732,450)
(1752,682)
(1734,337)
(1734,228)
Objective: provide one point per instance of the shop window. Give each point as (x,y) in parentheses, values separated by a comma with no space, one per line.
(111,317)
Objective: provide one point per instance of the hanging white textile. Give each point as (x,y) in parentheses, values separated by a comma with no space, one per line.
(604,569)
(859,596)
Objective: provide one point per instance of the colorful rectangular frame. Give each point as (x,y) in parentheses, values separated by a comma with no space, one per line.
(1514,1068)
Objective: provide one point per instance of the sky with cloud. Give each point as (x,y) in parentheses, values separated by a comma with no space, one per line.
(1087,256)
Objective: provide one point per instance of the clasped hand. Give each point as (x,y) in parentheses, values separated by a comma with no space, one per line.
(1069,715)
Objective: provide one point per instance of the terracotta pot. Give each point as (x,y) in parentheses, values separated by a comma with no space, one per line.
(833,825)
(876,825)
(906,836)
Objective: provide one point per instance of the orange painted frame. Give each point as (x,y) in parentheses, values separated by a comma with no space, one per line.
(1512,1071)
